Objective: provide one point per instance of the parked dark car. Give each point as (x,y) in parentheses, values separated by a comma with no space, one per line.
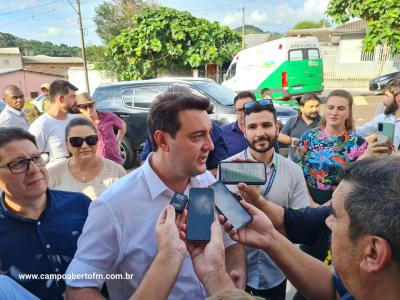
(131,100)
(379,83)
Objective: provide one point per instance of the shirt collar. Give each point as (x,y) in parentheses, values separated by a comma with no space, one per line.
(157,186)
(14,111)
(273,163)
(235,127)
(4,210)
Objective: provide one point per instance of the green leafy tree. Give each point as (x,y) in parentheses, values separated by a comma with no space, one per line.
(113,17)
(163,39)
(383,19)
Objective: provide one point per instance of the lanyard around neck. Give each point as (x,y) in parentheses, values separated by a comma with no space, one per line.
(273,174)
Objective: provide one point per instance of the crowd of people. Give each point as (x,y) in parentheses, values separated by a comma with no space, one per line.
(76,226)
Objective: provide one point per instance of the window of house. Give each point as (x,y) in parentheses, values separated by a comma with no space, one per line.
(34,95)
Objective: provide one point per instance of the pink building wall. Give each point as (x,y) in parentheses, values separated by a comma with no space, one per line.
(27,81)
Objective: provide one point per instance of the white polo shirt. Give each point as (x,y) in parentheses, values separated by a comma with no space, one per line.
(119,236)
(11,117)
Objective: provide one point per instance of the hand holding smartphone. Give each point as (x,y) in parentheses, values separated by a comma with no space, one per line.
(229,206)
(385,132)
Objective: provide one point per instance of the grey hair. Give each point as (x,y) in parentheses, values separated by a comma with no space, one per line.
(373,205)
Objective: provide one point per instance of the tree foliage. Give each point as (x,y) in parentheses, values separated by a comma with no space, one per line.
(163,39)
(383,19)
(311,24)
(113,17)
(32,47)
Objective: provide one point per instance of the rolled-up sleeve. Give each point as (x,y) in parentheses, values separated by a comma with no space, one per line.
(99,248)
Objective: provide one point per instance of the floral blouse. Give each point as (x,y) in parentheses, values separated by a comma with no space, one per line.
(322,156)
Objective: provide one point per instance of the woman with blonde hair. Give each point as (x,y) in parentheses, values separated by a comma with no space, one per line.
(322,152)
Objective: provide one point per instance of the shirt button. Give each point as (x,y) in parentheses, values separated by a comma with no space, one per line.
(39,223)
(56,269)
(48,246)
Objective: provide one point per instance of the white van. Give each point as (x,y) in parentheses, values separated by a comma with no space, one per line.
(288,67)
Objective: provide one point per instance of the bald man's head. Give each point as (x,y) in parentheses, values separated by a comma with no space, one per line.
(14,97)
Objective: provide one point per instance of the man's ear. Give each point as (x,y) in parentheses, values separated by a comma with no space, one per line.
(376,254)
(398,98)
(161,138)
(60,98)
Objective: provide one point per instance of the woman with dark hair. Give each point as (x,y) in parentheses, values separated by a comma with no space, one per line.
(84,171)
(322,152)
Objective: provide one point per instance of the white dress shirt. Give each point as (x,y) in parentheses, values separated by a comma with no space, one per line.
(11,117)
(372,127)
(119,236)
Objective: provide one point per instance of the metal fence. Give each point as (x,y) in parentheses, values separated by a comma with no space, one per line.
(339,65)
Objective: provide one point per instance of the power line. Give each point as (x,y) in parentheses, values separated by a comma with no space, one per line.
(29,8)
(33,16)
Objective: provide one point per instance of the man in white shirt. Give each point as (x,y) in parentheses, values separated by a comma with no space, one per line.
(12,115)
(119,237)
(49,128)
(391,101)
(285,186)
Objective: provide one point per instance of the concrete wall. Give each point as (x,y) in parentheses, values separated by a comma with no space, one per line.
(77,77)
(28,82)
(10,61)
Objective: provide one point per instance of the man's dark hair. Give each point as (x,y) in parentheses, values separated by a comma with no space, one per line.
(60,87)
(78,122)
(245,94)
(164,112)
(259,108)
(373,205)
(265,90)
(10,134)
(308,97)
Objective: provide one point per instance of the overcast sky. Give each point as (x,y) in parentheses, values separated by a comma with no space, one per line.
(56,21)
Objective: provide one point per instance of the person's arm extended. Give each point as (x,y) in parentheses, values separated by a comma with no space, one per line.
(165,268)
(311,277)
(235,260)
(284,139)
(274,212)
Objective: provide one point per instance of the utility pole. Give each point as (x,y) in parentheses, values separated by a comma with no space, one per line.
(83,46)
(243,43)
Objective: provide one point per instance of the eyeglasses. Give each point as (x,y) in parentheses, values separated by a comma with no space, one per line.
(23,165)
(264,103)
(77,141)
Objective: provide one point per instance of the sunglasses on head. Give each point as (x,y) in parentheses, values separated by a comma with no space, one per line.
(87,106)
(264,103)
(77,141)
